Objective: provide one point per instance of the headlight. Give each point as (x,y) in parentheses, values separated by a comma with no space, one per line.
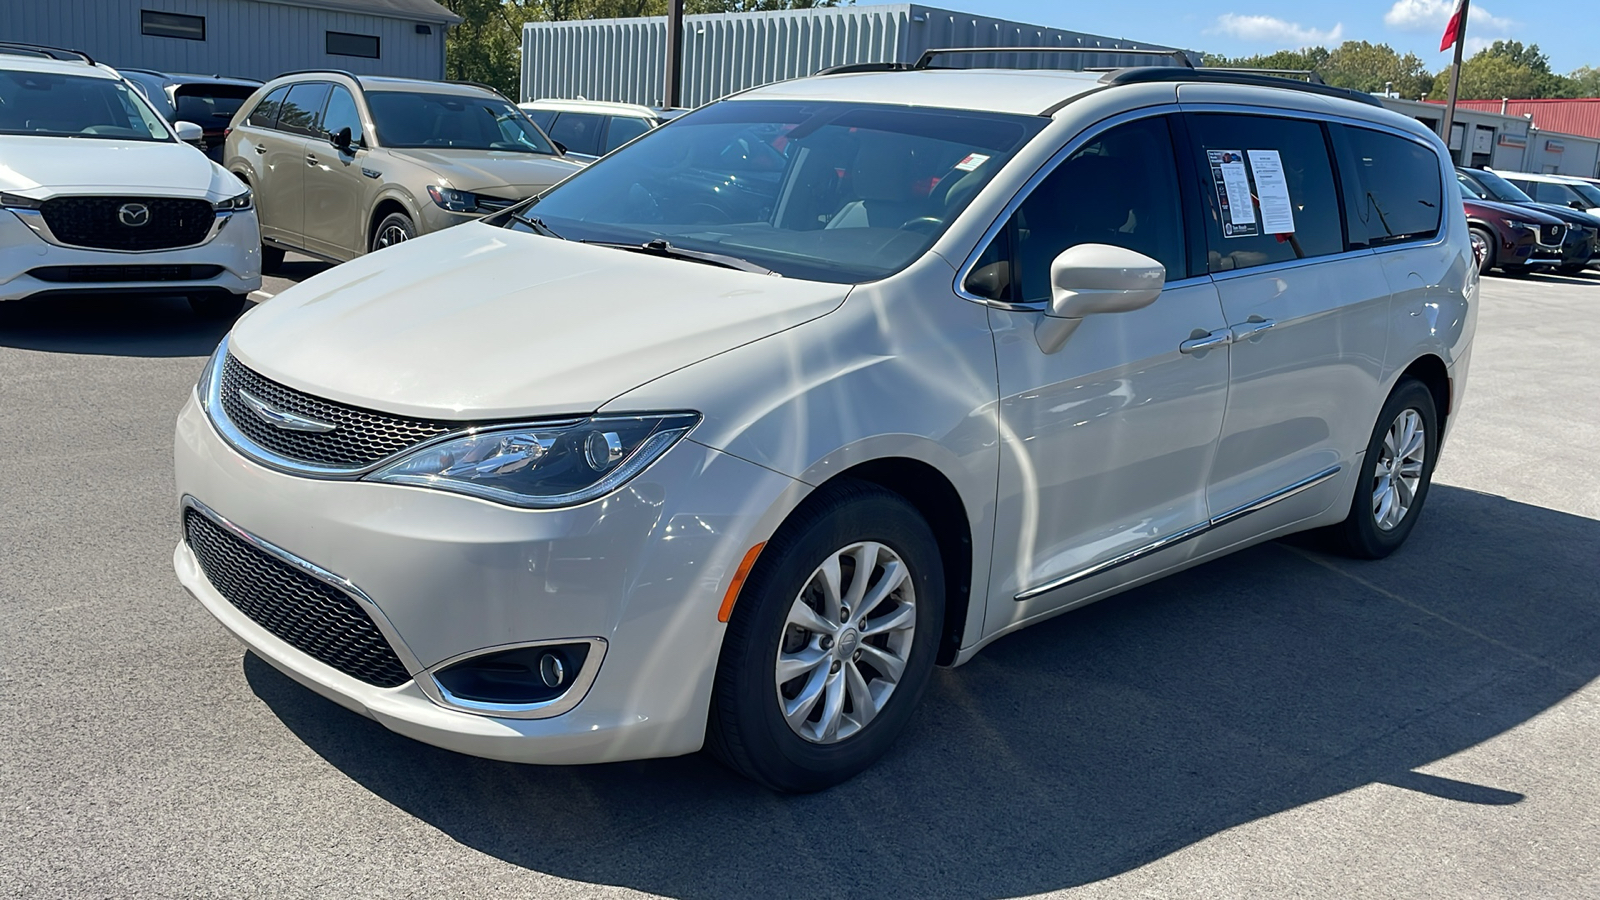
(234,204)
(453,200)
(1528,225)
(537,467)
(17,201)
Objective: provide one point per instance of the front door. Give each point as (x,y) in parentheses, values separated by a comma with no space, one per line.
(1308,316)
(284,150)
(335,182)
(1105,443)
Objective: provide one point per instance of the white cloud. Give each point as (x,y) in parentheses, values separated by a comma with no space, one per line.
(1268,29)
(1430,15)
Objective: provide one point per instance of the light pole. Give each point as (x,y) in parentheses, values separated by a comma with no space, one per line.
(674,91)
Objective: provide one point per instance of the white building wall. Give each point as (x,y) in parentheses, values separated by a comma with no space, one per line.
(244,38)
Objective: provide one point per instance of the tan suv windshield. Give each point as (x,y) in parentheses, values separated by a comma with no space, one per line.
(410,120)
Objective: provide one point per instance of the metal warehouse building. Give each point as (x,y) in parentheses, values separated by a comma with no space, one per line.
(625,59)
(246,38)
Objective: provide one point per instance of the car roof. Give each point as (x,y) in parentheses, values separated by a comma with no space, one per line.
(600,106)
(187,77)
(19,63)
(1022,91)
(420,86)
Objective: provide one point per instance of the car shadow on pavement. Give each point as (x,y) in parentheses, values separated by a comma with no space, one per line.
(110,326)
(1589,277)
(1086,746)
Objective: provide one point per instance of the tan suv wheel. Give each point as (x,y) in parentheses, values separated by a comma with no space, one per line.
(394,229)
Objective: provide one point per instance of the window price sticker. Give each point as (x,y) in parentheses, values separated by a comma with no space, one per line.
(1232,183)
(971,162)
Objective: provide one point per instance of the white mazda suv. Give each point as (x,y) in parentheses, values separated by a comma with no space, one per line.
(99,194)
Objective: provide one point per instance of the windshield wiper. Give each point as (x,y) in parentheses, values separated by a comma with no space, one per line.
(659,247)
(537,224)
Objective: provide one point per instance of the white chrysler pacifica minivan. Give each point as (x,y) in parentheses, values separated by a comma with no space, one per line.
(730,438)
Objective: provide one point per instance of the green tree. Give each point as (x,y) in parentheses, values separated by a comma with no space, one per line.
(1489,76)
(1305,59)
(1584,82)
(1370,67)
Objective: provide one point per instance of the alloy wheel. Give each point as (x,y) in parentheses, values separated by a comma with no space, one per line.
(846,641)
(392,235)
(1398,473)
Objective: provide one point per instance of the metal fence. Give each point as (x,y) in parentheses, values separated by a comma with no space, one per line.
(624,59)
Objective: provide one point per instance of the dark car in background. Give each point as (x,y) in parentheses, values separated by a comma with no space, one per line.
(1515,239)
(1582,245)
(206,100)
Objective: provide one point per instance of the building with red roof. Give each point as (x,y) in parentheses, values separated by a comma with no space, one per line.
(1581,117)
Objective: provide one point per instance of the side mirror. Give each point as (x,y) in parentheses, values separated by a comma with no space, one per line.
(1578,204)
(189,132)
(342,140)
(1093,279)
(560,147)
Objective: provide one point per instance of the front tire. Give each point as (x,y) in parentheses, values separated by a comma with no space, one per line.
(1484,243)
(1395,474)
(396,228)
(832,641)
(1572,269)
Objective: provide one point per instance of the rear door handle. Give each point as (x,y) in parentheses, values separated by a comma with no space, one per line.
(1210,341)
(1251,327)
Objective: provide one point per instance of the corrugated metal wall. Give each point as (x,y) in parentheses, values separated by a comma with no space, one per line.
(624,59)
(243,38)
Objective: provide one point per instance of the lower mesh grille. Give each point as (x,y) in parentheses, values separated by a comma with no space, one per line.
(315,618)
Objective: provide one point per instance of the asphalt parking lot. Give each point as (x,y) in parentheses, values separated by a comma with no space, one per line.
(1277,723)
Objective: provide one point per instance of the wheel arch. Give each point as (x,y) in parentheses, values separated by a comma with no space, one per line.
(1430,369)
(387,203)
(936,498)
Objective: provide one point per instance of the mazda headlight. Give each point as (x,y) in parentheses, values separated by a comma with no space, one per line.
(17,201)
(536,467)
(1527,225)
(453,200)
(239,203)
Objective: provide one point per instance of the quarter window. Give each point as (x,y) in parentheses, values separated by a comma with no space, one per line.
(265,115)
(1269,190)
(304,104)
(344,44)
(622,130)
(1397,196)
(1120,189)
(172,25)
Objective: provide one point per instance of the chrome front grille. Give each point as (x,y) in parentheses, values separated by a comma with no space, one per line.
(314,617)
(359,437)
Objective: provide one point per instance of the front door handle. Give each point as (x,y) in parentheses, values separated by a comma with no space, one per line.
(310,160)
(261,148)
(1209,341)
(1251,327)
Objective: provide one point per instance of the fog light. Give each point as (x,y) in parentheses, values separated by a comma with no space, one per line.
(518,677)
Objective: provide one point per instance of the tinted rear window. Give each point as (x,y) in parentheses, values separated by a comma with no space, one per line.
(211,106)
(1398,196)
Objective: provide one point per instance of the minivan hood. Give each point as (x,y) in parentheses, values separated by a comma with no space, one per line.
(40,166)
(484,170)
(477,322)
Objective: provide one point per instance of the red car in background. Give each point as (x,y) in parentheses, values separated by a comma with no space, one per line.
(1512,238)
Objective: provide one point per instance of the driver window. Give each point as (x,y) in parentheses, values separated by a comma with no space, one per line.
(341,113)
(1120,189)
(578,132)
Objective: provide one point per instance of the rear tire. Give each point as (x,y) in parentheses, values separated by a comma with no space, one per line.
(783,647)
(218,306)
(1396,471)
(396,228)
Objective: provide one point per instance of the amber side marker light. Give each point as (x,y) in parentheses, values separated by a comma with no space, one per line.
(739,576)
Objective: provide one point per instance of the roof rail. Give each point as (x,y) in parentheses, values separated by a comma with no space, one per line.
(1145,74)
(853,68)
(1310,76)
(478,84)
(926,60)
(350,75)
(46,52)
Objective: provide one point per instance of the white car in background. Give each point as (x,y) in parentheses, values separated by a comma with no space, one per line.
(99,194)
(589,129)
(1561,190)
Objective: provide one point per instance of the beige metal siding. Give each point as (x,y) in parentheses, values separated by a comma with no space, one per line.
(243,38)
(624,59)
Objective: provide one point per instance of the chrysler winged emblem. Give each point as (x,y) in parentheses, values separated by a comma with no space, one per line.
(133,215)
(278,418)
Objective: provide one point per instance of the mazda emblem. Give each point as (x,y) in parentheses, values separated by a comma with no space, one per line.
(133,215)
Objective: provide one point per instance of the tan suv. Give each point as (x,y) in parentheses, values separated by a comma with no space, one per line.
(344,164)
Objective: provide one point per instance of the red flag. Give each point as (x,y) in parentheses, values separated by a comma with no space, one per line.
(1458,24)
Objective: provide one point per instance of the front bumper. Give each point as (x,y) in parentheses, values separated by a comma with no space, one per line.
(236,247)
(642,569)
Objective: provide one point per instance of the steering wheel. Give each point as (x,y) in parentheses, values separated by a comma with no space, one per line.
(923,224)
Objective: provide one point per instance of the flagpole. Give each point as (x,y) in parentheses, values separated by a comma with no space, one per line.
(1455,81)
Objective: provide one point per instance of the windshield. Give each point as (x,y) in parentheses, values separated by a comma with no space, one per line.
(43,103)
(1587,191)
(409,120)
(840,192)
(1489,186)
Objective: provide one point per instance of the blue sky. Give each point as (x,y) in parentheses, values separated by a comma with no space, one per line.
(1566,30)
